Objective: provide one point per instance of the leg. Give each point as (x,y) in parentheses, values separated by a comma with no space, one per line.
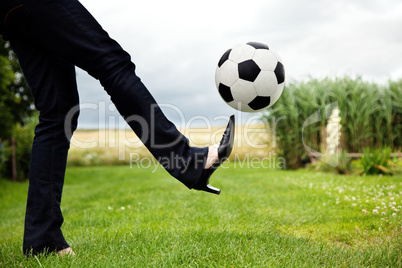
(65,28)
(52,82)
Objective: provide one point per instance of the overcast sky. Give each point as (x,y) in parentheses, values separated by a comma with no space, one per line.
(176,45)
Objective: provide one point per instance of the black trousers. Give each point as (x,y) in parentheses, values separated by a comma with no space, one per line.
(50,38)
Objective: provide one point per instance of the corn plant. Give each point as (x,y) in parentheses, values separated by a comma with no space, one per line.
(395,93)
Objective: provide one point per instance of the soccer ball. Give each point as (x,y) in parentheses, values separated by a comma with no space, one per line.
(250,77)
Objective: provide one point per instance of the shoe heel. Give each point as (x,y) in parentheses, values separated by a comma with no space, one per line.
(209,188)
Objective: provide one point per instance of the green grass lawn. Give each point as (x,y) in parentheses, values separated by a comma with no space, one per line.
(122,217)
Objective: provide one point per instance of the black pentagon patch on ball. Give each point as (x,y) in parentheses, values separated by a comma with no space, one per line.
(259,102)
(280,73)
(224,58)
(248,70)
(257,45)
(225,93)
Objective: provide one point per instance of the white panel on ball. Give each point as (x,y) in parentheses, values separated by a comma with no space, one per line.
(241,53)
(227,74)
(243,91)
(266,83)
(278,92)
(277,56)
(265,59)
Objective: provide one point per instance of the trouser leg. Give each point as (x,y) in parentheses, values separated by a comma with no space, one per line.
(52,82)
(64,29)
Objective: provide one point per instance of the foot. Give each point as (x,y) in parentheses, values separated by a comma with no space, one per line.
(216,156)
(66,252)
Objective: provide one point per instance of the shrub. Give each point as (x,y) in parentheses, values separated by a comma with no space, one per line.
(377,161)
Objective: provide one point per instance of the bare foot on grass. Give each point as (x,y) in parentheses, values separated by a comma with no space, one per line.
(66,252)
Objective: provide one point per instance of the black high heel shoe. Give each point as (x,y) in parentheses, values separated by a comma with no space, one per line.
(224,150)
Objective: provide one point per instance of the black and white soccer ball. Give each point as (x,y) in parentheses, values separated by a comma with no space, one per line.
(250,77)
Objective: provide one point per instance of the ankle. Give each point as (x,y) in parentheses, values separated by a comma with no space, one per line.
(212,156)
